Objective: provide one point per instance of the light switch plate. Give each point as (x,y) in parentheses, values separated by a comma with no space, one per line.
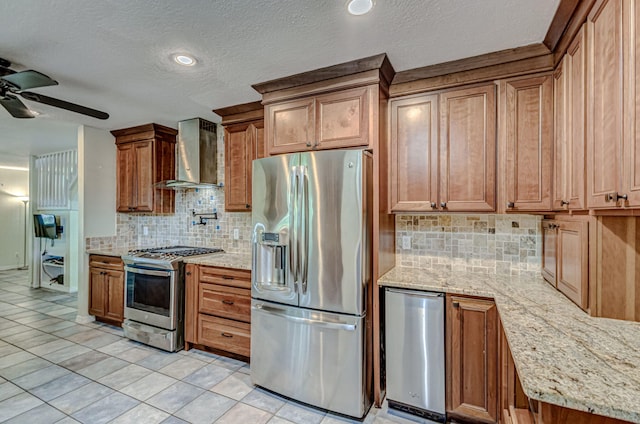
(406,242)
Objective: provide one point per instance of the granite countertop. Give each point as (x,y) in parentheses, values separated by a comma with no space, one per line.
(223,260)
(563,356)
(109,251)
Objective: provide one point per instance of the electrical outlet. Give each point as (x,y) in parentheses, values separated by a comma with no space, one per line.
(236,234)
(145,230)
(406,242)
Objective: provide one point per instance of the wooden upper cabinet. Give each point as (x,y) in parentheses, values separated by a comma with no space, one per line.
(570,122)
(240,150)
(243,143)
(414,154)
(631,174)
(605,30)
(290,126)
(329,121)
(342,119)
(472,359)
(145,156)
(468,149)
(528,141)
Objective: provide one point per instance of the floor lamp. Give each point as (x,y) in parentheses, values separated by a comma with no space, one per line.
(24,200)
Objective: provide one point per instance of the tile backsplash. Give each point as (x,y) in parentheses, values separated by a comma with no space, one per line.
(483,243)
(179,228)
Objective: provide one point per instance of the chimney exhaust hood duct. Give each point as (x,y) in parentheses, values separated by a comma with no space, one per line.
(196,155)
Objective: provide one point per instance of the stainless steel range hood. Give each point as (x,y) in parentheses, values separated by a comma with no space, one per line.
(196,156)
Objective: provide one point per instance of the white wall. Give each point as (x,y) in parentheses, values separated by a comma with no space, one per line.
(12,217)
(96,201)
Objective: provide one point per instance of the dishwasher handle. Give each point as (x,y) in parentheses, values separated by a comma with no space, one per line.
(415,293)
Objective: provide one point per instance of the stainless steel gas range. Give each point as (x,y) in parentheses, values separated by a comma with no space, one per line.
(154,295)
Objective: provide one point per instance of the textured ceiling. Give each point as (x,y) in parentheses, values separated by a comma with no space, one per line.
(114,55)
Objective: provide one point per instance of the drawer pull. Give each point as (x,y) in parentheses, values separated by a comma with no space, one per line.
(227,302)
(227,277)
(455,304)
(226,335)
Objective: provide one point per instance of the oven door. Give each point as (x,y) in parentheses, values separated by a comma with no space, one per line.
(150,296)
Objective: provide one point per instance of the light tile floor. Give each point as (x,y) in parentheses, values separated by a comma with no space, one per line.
(53,370)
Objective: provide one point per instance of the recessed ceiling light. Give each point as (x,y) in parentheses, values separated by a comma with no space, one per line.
(359,7)
(184,59)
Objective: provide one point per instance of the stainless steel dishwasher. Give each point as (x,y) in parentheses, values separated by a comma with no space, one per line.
(414,341)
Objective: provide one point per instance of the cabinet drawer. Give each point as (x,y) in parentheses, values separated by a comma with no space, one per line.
(229,302)
(224,334)
(225,277)
(108,262)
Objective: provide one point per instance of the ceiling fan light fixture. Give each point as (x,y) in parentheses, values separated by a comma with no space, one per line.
(184,59)
(359,7)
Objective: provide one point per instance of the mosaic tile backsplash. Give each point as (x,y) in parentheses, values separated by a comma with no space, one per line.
(475,243)
(179,228)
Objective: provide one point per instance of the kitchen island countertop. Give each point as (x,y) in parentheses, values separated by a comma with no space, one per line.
(563,356)
(223,260)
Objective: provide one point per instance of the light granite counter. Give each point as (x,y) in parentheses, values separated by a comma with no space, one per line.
(224,260)
(109,251)
(562,355)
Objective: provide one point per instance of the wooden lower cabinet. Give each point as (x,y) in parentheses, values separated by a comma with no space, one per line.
(472,359)
(218,309)
(106,288)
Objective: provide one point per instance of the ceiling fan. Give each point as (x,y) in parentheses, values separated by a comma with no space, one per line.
(12,83)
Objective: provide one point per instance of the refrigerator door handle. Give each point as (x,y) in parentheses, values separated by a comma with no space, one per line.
(304,227)
(293,242)
(282,313)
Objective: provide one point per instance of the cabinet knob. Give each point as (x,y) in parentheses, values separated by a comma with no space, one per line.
(434,205)
(309,144)
(614,197)
(511,205)
(188,272)
(248,206)
(443,205)
(455,304)
(564,202)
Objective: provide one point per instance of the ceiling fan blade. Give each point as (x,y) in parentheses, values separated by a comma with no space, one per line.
(64,105)
(15,107)
(29,79)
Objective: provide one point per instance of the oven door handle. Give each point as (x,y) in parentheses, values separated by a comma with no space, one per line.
(143,271)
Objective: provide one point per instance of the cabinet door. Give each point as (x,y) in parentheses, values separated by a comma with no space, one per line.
(144,157)
(125,171)
(549,251)
(97,291)
(573,263)
(562,130)
(342,119)
(529,143)
(115,295)
(414,154)
(290,126)
(604,137)
(238,148)
(576,118)
(631,175)
(472,359)
(468,149)
(191,303)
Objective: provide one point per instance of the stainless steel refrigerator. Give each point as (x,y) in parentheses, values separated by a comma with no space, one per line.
(311,278)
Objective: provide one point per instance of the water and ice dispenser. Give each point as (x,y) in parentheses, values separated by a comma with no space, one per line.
(271,258)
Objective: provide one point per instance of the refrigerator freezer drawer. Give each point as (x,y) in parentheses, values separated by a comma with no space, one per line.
(310,356)
(414,340)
